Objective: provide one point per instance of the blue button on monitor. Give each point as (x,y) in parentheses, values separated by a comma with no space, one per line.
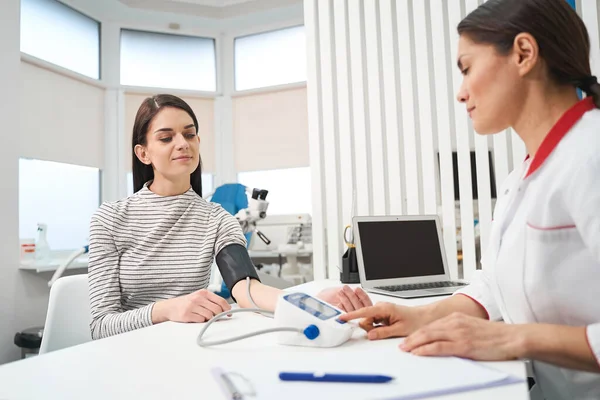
(311,332)
(339,321)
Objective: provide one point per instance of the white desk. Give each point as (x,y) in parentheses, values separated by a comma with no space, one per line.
(164,362)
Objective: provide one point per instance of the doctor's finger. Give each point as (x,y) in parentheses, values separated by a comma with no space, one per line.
(441,348)
(376,312)
(367,324)
(426,336)
(384,332)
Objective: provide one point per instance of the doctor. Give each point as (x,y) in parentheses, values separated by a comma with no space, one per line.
(522,61)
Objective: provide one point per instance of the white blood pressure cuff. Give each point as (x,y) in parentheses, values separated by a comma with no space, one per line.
(235,265)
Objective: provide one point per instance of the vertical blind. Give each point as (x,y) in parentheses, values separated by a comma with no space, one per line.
(384,123)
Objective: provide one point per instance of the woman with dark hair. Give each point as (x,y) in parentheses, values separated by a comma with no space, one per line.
(522,62)
(151,254)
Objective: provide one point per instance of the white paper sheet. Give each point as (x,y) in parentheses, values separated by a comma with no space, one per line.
(414,377)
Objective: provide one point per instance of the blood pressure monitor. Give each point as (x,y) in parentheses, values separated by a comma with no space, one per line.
(300,320)
(317,322)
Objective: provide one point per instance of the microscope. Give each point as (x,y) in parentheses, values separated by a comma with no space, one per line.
(257,210)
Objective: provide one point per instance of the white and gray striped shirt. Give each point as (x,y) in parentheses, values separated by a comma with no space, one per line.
(147,248)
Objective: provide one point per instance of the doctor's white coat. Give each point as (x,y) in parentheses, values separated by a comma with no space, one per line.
(543,260)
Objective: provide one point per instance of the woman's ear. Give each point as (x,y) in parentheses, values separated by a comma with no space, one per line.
(142,154)
(526,53)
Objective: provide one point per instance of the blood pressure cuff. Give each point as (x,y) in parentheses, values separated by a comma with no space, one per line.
(235,265)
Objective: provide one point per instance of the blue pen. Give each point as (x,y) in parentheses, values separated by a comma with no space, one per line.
(344,378)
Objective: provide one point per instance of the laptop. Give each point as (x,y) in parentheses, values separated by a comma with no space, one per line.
(402,256)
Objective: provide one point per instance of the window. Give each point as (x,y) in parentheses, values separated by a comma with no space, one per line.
(207,184)
(271,58)
(289,189)
(168,61)
(58,34)
(62,196)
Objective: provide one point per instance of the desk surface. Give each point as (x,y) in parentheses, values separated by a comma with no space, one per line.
(163,361)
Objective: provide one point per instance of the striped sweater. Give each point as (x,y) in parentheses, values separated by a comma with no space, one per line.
(147,248)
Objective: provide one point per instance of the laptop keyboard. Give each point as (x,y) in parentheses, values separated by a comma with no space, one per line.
(418,286)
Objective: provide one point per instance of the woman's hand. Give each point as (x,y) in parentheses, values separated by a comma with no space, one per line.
(345,298)
(464,336)
(386,320)
(199,306)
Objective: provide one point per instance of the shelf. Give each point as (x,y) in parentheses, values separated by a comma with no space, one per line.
(80,262)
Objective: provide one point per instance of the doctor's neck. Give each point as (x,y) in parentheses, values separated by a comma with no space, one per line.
(542,108)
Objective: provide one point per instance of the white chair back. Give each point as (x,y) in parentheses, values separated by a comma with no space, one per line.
(69,316)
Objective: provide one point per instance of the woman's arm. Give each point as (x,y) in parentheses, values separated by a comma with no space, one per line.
(108,317)
(264,296)
(565,346)
(460,335)
(236,267)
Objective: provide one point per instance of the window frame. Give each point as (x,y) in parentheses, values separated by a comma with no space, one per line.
(306,169)
(100,192)
(175,91)
(100,54)
(263,88)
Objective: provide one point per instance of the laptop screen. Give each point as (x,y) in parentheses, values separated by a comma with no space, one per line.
(400,249)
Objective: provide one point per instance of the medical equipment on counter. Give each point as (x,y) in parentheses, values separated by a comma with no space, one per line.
(72,257)
(42,249)
(257,210)
(300,319)
(349,272)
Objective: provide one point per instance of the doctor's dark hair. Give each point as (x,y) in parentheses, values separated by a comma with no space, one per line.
(561,35)
(151,106)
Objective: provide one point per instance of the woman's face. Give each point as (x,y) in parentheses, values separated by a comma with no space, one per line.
(490,89)
(172,144)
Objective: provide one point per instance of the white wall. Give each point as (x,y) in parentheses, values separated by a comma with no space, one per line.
(381,92)
(49,116)
(23,296)
(9,229)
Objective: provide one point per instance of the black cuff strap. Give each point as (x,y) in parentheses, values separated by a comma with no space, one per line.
(234,264)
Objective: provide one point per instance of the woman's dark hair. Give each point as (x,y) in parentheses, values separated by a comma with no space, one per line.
(561,35)
(143,173)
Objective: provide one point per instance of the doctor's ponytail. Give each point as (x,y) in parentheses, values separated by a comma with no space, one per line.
(591,87)
(562,37)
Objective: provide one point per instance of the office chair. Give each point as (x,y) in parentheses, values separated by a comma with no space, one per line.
(69,316)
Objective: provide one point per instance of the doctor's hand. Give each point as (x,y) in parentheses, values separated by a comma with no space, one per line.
(464,336)
(345,298)
(199,306)
(387,320)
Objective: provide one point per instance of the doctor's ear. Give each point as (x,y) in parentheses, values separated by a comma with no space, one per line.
(142,154)
(526,53)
